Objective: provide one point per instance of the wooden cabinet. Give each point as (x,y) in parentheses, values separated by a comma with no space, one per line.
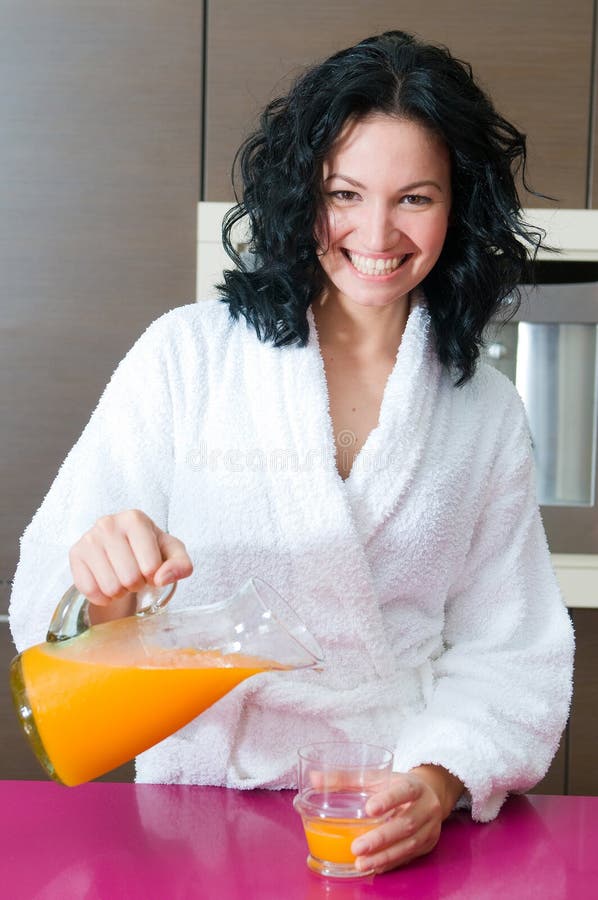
(583,728)
(99,155)
(555,780)
(574,770)
(534,58)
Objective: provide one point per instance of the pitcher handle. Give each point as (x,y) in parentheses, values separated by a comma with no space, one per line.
(71,616)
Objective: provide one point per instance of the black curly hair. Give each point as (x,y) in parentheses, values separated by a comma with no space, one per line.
(488,246)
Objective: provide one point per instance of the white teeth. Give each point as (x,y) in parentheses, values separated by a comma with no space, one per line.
(368,266)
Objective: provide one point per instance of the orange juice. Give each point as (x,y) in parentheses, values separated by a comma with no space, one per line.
(330,839)
(89,705)
(332,820)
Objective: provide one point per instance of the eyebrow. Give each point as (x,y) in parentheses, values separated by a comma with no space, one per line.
(407,187)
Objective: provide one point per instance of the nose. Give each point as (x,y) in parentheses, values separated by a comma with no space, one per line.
(380,230)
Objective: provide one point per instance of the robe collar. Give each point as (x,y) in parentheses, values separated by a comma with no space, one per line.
(388,461)
(288,402)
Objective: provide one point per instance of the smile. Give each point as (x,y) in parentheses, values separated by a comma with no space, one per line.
(367,265)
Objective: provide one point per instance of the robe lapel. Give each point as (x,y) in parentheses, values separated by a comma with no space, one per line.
(329,521)
(331,502)
(391,456)
(287,399)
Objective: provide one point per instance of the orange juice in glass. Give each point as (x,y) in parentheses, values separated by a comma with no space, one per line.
(336,779)
(94,696)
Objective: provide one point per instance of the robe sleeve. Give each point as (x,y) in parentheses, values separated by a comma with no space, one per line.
(502,686)
(122,460)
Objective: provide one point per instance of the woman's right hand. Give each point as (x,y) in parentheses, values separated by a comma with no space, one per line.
(123,553)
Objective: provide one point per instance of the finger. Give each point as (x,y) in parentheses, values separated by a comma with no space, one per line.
(397,828)
(402,790)
(144,545)
(177,563)
(124,562)
(85,582)
(106,554)
(93,576)
(388,855)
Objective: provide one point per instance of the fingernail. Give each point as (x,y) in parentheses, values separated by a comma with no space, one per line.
(374,809)
(359,847)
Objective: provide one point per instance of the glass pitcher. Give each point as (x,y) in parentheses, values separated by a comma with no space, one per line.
(94,696)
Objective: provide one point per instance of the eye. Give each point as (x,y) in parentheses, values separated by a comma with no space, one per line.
(415,200)
(343,196)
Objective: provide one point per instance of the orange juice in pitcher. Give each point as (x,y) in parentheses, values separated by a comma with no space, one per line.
(93,697)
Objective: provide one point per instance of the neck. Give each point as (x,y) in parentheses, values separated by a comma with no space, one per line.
(360,330)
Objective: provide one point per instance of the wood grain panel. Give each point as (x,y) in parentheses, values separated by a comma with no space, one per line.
(534,58)
(583,726)
(99,156)
(555,780)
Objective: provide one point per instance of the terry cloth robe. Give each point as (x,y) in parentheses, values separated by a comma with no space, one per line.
(425,575)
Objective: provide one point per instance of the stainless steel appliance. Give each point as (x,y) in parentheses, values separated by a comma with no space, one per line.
(549,350)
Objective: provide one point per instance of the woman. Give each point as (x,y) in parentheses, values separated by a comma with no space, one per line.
(328,427)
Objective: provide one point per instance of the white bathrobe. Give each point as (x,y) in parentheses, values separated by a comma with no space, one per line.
(425,575)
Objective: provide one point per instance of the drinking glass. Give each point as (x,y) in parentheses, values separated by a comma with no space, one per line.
(336,779)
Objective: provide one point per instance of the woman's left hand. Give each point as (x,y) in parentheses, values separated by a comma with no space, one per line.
(419,801)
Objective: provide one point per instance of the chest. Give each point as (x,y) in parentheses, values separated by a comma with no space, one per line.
(256,490)
(355,392)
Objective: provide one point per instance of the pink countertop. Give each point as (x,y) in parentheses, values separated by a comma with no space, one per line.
(111,841)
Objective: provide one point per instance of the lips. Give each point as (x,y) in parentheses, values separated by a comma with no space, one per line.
(368,265)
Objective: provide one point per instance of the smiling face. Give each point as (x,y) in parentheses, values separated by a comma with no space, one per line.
(387,192)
